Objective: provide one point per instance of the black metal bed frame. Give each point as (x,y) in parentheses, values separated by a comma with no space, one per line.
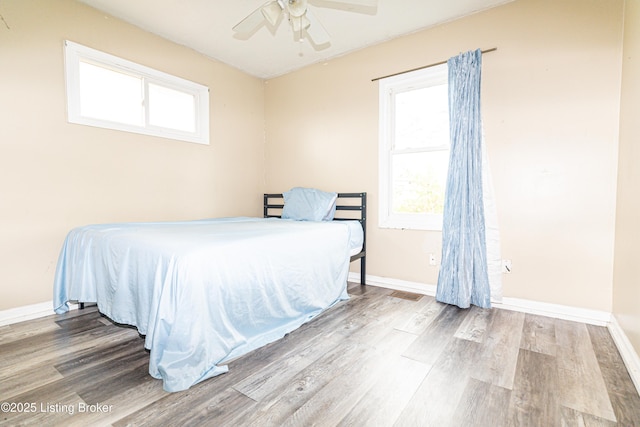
(344,202)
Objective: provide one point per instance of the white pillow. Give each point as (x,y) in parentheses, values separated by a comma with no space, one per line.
(309,204)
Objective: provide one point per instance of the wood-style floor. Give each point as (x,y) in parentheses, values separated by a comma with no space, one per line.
(382,358)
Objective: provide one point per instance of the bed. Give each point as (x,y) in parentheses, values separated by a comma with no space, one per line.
(206,291)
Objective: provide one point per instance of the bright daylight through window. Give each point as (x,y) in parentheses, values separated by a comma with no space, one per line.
(109,92)
(414,148)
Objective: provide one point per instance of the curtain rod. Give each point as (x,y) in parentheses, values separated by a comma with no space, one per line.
(425,66)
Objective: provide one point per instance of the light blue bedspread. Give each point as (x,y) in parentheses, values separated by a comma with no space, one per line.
(204,292)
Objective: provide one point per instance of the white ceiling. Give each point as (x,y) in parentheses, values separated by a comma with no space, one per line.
(206,26)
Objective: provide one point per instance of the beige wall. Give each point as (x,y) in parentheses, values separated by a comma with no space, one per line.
(551,101)
(55,175)
(626,283)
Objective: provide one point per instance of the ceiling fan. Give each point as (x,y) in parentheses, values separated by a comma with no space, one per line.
(301,18)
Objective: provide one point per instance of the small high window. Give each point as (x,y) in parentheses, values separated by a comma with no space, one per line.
(106,91)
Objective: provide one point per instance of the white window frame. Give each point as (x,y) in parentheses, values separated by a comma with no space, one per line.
(75,53)
(388,87)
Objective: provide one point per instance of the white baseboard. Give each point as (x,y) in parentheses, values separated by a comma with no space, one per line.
(628,353)
(396,284)
(28,312)
(594,317)
(565,312)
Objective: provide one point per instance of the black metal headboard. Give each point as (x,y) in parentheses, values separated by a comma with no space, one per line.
(349,206)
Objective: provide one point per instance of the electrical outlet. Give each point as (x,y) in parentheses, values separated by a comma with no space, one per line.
(432,260)
(506,266)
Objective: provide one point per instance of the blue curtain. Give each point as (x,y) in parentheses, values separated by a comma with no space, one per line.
(463,277)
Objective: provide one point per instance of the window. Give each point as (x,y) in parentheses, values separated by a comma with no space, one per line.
(414,149)
(109,92)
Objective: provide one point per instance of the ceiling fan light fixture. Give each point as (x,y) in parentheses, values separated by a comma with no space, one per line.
(297,8)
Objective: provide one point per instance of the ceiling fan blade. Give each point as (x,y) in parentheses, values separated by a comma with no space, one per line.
(299,24)
(369,7)
(316,32)
(368,3)
(251,23)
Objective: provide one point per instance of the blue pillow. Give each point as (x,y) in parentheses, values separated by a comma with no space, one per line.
(309,204)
